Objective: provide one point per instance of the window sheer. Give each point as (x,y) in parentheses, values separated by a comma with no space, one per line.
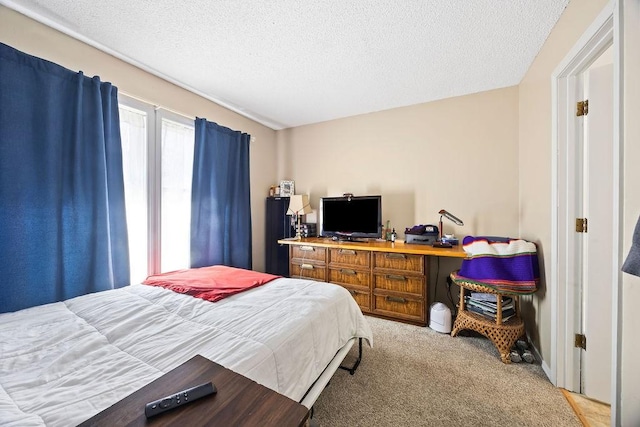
(133,130)
(177,173)
(158,151)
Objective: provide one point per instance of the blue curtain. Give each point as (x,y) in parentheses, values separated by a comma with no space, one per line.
(63,229)
(221,208)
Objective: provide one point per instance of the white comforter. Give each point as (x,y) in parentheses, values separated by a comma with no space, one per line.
(62,363)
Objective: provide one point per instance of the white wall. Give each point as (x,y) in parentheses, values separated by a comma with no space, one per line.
(630,372)
(458,154)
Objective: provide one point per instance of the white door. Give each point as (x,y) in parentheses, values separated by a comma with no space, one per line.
(597,244)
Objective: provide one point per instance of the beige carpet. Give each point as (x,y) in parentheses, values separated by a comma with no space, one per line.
(414,376)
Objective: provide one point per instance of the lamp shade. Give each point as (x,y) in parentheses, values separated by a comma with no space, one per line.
(299,205)
(451,217)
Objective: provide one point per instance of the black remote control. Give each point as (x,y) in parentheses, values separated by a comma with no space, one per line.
(176,400)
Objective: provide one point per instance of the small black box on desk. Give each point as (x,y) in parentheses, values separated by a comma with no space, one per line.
(308,229)
(421,234)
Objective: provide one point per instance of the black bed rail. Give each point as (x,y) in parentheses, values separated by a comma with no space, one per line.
(352,369)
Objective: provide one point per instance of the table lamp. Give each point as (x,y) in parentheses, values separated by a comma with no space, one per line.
(450,217)
(298,205)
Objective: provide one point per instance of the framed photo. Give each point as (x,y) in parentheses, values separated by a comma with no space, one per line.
(287,188)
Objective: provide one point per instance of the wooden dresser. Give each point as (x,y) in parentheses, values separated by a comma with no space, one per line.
(386,279)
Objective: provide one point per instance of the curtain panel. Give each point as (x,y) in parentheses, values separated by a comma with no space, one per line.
(62,212)
(221,208)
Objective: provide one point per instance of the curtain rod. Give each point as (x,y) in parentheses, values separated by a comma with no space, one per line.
(157,107)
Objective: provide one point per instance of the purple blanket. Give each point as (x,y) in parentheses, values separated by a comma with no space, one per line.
(509,266)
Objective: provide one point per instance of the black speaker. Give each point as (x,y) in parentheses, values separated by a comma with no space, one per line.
(278,226)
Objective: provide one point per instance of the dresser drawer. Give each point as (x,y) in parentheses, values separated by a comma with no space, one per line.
(362,297)
(349,276)
(396,261)
(308,271)
(312,253)
(400,307)
(350,257)
(400,282)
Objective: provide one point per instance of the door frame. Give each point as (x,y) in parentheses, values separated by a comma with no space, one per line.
(605,31)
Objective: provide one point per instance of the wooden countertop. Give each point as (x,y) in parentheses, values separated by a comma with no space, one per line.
(379,246)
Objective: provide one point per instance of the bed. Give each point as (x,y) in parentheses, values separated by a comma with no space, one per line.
(64,362)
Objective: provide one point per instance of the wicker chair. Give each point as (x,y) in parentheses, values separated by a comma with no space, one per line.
(503,334)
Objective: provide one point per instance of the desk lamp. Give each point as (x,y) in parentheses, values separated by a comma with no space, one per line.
(450,217)
(298,205)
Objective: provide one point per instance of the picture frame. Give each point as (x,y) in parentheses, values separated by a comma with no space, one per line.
(287,188)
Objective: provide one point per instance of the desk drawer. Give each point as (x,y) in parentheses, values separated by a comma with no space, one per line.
(348,276)
(397,261)
(308,271)
(349,257)
(399,307)
(312,253)
(362,297)
(400,283)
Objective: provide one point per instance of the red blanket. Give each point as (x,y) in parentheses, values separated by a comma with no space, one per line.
(210,283)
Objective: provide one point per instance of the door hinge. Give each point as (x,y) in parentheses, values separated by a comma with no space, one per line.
(582,108)
(581,225)
(581,341)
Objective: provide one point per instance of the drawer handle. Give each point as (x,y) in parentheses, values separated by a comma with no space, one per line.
(396,277)
(347,271)
(352,292)
(347,251)
(307,248)
(396,256)
(396,299)
(306,266)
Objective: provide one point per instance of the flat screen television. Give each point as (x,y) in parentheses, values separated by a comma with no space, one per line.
(350,217)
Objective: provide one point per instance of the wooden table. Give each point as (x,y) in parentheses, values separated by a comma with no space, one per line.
(503,334)
(238,402)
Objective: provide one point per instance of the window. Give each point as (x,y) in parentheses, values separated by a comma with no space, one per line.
(133,130)
(178,142)
(157,149)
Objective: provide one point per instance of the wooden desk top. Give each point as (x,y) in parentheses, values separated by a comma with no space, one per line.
(379,246)
(238,402)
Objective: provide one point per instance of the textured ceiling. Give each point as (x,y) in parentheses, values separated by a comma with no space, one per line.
(287,63)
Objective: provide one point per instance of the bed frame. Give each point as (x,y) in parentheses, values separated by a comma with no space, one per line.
(323,380)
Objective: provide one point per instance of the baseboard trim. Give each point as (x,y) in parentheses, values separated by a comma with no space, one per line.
(543,363)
